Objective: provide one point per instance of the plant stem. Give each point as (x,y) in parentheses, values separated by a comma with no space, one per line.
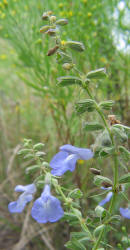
(98,240)
(115,161)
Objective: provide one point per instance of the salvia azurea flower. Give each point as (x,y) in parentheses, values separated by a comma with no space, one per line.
(67,157)
(125,212)
(27,195)
(107,198)
(109,195)
(47,208)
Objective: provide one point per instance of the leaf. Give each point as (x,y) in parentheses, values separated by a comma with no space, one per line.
(38,146)
(76,193)
(91,126)
(40,154)
(97,74)
(125,179)
(68,80)
(99,229)
(75,245)
(24,151)
(32,169)
(98,179)
(107,105)
(125,152)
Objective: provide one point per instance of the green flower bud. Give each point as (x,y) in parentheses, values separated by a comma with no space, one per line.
(107,105)
(44,28)
(67,66)
(85,105)
(97,74)
(75,46)
(62,22)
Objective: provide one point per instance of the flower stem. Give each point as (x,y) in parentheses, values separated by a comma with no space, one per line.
(115,161)
(98,240)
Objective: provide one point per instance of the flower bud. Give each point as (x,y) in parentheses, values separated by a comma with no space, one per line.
(106,104)
(51,32)
(106,184)
(68,80)
(62,22)
(44,28)
(95,171)
(46,15)
(52,51)
(85,105)
(75,46)
(52,19)
(67,66)
(97,74)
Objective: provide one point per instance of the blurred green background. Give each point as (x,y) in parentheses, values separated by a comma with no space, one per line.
(32,106)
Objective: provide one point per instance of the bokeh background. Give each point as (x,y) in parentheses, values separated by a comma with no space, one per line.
(32,106)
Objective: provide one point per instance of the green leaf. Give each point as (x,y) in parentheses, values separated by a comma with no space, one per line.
(68,80)
(97,74)
(62,58)
(125,179)
(38,146)
(77,212)
(92,126)
(78,46)
(98,230)
(85,105)
(40,154)
(78,235)
(98,179)
(75,245)
(120,134)
(24,151)
(29,156)
(125,152)
(76,193)
(121,126)
(107,105)
(32,169)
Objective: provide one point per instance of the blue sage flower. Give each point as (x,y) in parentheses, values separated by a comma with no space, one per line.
(125,212)
(67,157)
(27,195)
(47,208)
(108,197)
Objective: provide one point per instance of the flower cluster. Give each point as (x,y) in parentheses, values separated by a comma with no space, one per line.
(47,208)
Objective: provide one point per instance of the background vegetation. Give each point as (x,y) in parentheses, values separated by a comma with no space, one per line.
(31,105)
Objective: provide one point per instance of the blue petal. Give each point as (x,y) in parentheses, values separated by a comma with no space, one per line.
(31,188)
(125,212)
(62,166)
(47,209)
(107,199)
(83,153)
(109,188)
(19,205)
(58,158)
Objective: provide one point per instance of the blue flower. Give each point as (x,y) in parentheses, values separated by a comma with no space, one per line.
(47,208)
(125,212)
(67,157)
(27,195)
(108,197)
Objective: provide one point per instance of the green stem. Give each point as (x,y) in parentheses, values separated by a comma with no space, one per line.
(115,161)
(98,240)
